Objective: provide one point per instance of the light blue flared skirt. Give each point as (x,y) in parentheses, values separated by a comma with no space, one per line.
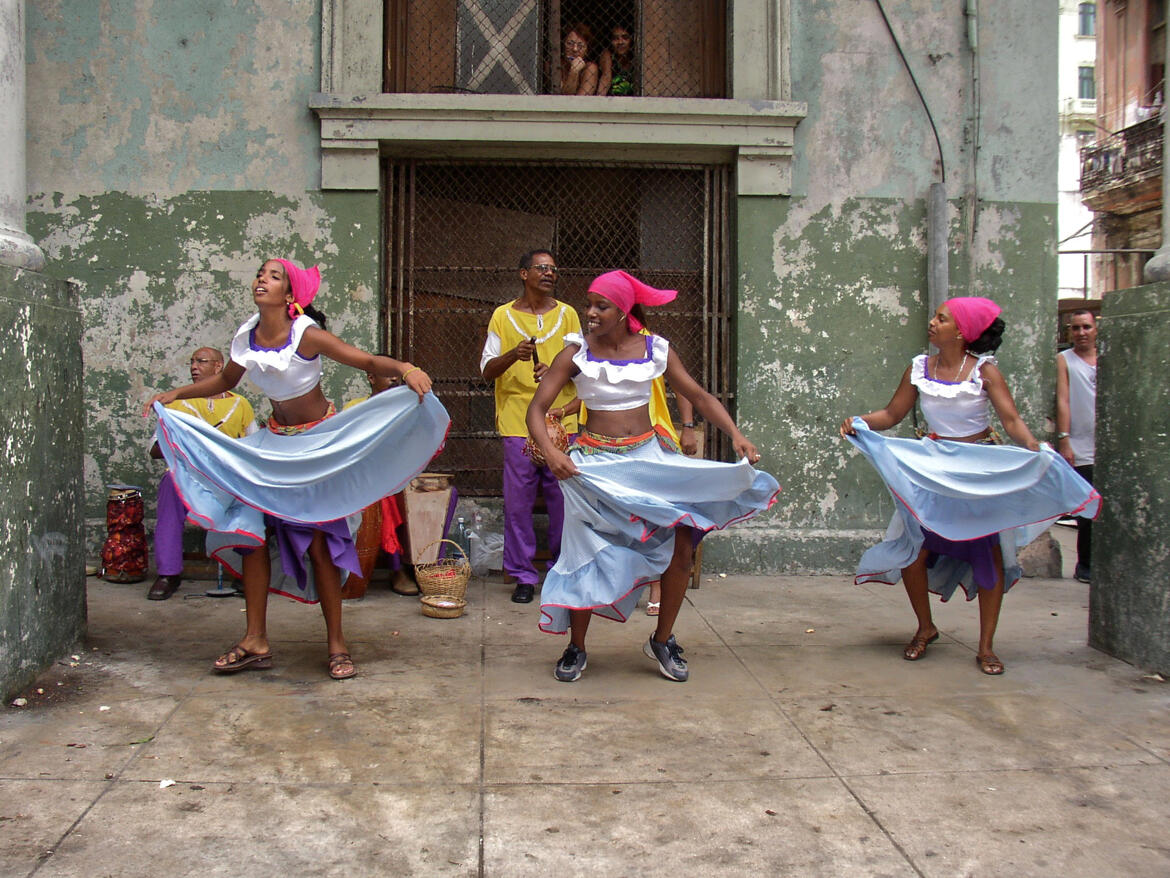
(965,491)
(620,515)
(329,472)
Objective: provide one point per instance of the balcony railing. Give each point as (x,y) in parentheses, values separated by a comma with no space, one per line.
(1128,159)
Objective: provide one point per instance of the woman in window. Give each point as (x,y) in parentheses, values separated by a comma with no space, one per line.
(619,65)
(578,74)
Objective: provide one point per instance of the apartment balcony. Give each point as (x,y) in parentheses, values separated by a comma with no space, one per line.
(1123,174)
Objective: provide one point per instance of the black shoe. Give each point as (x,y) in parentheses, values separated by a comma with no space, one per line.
(669,658)
(571,665)
(1081,573)
(163,588)
(523,593)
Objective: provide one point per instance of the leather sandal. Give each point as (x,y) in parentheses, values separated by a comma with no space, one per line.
(989,664)
(341,666)
(916,648)
(239,659)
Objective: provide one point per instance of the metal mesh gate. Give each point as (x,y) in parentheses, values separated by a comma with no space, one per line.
(456,232)
(665,48)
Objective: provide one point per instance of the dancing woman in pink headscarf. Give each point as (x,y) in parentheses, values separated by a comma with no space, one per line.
(310,470)
(963,504)
(634,506)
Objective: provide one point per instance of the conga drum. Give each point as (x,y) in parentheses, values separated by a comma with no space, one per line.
(124,556)
(368,542)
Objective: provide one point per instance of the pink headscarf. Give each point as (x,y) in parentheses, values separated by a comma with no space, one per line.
(303,283)
(973,314)
(625,291)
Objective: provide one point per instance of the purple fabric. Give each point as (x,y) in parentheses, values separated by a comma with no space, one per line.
(168,529)
(978,553)
(521,479)
(293,539)
(447,521)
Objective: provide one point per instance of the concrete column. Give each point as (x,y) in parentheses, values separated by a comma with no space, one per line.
(1129,605)
(1157,270)
(16,247)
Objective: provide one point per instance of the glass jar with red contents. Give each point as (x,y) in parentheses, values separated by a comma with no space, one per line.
(124,556)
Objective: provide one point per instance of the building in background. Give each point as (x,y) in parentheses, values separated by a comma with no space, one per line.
(1078,123)
(773,163)
(1121,174)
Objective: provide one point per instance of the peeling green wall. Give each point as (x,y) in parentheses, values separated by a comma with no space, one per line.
(1129,603)
(42,573)
(832,280)
(171,149)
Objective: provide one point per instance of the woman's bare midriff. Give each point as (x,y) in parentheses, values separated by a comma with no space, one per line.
(974,437)
(311,406)
(627,422)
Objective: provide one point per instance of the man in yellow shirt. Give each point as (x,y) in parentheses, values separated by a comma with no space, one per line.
(523,337)
(229,413)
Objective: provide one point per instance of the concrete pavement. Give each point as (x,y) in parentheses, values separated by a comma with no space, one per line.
(802,745)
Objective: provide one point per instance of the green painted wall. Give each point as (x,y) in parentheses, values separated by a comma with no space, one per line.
(1129,603)
(42,571)
(171,149)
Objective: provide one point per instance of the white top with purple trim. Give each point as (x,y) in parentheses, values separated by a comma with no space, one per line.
(280,373)
(952,408)
(617,385)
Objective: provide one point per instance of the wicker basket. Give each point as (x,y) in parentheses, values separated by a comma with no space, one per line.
(447,576)
(442,606)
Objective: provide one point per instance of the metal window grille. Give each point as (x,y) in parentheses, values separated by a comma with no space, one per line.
(677,48)
(456,233)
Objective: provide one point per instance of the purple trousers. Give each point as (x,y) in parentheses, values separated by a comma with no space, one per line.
(521,479)
(168,529)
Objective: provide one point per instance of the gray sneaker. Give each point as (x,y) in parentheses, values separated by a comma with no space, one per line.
(669,658)
(571,665)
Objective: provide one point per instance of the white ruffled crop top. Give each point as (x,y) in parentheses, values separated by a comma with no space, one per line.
(617,385)
(952,408)
(280,373)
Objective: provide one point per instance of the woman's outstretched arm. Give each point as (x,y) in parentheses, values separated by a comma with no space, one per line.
(708,406)
(896,409)
(318,341)
(558,375)
(1005,407)
(213,385)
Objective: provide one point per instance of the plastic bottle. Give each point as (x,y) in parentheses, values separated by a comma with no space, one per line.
(461,537)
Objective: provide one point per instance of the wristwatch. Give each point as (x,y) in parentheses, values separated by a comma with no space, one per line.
(1061,435)
(690,424)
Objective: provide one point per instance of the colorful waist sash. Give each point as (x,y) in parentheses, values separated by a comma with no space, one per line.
(294,429)
(595,443)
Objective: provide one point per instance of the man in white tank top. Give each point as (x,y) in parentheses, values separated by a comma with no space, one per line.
(1076,416)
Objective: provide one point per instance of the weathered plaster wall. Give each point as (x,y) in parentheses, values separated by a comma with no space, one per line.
(42,577)
(170,151)
(1129,604)
(832,281)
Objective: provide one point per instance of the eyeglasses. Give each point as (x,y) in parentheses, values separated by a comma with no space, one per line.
(544,268)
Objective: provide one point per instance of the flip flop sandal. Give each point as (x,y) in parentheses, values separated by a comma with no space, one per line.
(989,665)
(652,607)
(916,648)
(242,660)
(337,661)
